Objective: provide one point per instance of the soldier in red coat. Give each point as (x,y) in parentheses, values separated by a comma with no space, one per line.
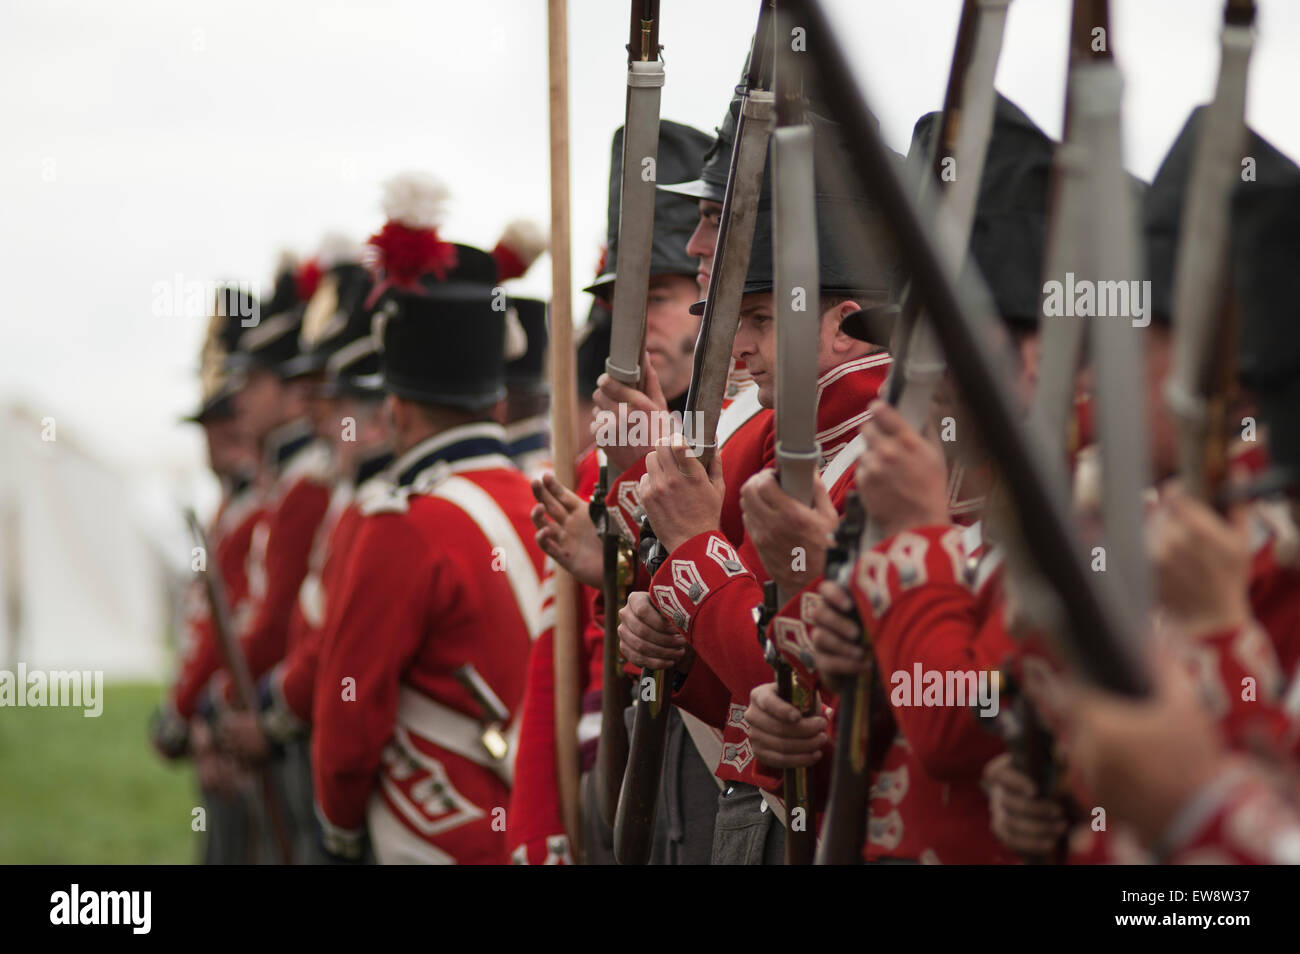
(1228,586)
(1183,776)
(729,530)
(930,592)
(425,641)
(337,348)
(671,329)
(178,730)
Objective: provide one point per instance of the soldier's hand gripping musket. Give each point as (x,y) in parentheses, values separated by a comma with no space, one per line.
(634,822)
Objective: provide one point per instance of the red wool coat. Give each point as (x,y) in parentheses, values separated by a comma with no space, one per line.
(443,572)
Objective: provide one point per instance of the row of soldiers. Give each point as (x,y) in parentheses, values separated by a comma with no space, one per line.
(398,613)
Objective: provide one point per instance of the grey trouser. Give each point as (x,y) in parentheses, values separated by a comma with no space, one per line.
(746,831)
(229,829)
(687,803)
(293,775)
(597,837)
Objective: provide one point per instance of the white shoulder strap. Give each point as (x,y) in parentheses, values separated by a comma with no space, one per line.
(479,506)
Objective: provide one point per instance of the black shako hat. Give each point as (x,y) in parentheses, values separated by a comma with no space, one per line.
(1265,253)
(272,341)
(346,350)
(334,317)
(231,308)
(526,367)
(681,152)
(845,268)
(1162,212)
(442,341)
(1009,231)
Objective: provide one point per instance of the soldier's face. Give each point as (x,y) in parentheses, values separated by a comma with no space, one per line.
(755,343)
(258,402)
(704,242)
(229,448)
(671,330)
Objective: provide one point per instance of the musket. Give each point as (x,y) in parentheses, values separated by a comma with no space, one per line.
(645,79)
(1071,247)
(634,821)
(960,144)
(1104,638)
(232,657)
(1204,346)
(956,167)
(611,756)
(636,222)
(1118,355)
(1068,249)
(795,291)
(844,826)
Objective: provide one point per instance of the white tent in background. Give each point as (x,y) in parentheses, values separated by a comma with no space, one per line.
(82,583)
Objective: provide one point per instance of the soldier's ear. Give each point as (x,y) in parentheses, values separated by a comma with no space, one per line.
(842,341)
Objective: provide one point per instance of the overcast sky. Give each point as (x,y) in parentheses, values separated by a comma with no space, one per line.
(141,141)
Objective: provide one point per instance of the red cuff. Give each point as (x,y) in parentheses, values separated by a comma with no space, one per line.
(696,571)
(623,502)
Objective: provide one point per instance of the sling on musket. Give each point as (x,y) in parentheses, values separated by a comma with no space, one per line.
(1118,355)
(1203,346)
(645,80)
(232,656)
(796,301)
(960,144)
(1105,636)
(634,822)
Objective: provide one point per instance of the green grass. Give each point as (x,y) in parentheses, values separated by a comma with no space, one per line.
(91,791)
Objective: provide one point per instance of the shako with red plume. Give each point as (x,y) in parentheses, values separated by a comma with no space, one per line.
(521,244)
(408,246)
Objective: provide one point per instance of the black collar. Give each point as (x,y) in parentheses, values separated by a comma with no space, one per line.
(372,465)
(459,443)
(286,441)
